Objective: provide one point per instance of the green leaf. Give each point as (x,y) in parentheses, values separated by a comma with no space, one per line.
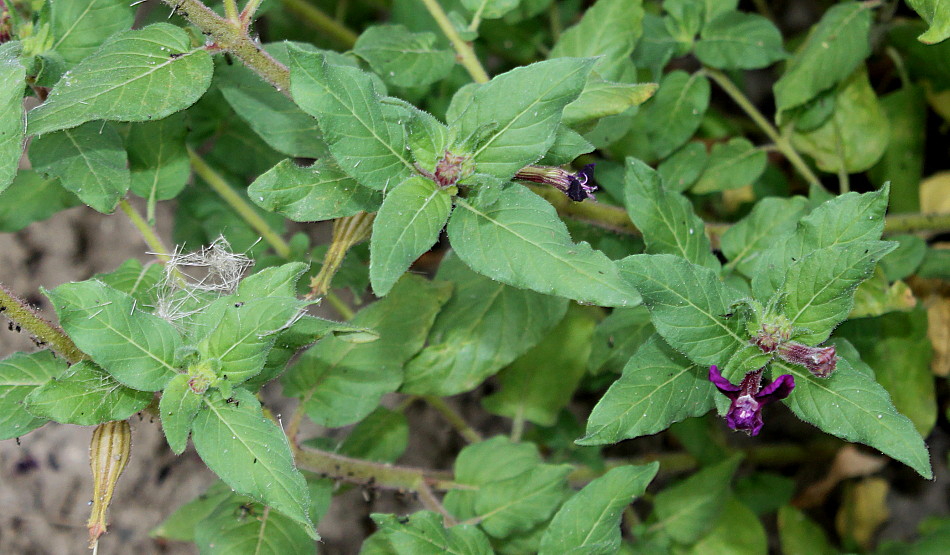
(243,333)
(368,145)
(903,161)
(490,9)
(403,58)
(771,218)
(666,219)
(688,509)
(896,346)
(424,532)
(20,375)
(134,279)
(135,76)
(617,337)
(251,454)
(276,281)
(483,327)
(834,48)
(530,393)
(428,138)
(609,29)
(818,292)
(382,436)
(937,16)
(856,135)
(854,407)
(319,192)
(85,395)
(524,109)
(407,225)
(658,387)
(12,75)
(90,161)
(683,167)
(513,491)
(568,145)
(32,198)
(177,409)
(274,117)
(690,308)
(80,27)
(675,111)
(136,347)
(519,240)
(799,535)
(238,525)
(737,530)
(906,258)
(737,40)
(341,382)
(845,219)
(731,165)
(158,158)
(181,524)
(600,99)
(656,47)
(589,523)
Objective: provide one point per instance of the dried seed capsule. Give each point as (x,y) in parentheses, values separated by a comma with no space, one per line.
(108,456)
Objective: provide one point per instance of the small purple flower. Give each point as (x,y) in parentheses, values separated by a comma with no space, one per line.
(577,186)
(748,398)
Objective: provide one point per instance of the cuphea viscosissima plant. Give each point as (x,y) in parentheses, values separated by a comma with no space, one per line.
(124,110)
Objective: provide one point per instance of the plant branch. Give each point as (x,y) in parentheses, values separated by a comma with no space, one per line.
(463,50)
(151,238)
(321,21)
(21,313)
(231,11)
(232,37)
(371,474)
(238,204)
(782,142)
(453,418)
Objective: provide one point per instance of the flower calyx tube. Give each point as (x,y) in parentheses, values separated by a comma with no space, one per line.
(108,456)
(749,397)
(577,186)
(776,338)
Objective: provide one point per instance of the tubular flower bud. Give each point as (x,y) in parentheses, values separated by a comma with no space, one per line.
(820,361)
(577,186)
(108,456)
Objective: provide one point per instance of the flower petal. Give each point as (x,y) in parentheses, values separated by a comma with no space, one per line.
(722,384)
(779,389)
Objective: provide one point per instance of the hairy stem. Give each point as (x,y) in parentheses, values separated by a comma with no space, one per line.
(231,10)
(21,313)
(232,36)
(238,204)
(311,15)
(347,232)
(453,418)
(781,142)
(463,50)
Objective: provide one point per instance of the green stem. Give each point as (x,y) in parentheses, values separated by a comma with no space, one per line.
(238,204)
(371,474)
(151,238)
(231,11)
(782,142)
(517,426)
(453,418)
(247,14)
(844,183)
(23,315)
(898,60)
(477,17)
(463,50)
(232,37)
(321,21)
(912,223)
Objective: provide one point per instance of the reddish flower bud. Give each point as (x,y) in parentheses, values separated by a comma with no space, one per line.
(820,361)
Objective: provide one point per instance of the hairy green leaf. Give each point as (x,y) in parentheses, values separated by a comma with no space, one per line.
(136,347)
(368,145)
(519,240)
(251,454)
(403,58)
(177,409)
(12,75)
(90,161)
(85,395)
(731,165)
(20,375)
(407,225)
(609,29)
(135,76)
(31,198)
(674,113)
(158,158)
(688,509)
(658,387)
(937,16)
(80,27)
(770,219)
(589,523)
(424,532)
(737,40)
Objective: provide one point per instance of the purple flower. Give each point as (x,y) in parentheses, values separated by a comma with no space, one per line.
(748,398)
(577,186)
